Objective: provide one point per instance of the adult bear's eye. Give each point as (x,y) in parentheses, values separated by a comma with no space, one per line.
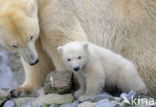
(79,57)
(69,59)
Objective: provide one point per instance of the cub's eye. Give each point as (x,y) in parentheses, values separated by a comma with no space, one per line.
(79,57)
(69,59)
(15,46)
(31,37)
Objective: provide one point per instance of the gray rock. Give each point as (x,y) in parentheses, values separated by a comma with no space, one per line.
(6,75)
(107,103)
(53,105)
(58,82)
(3,96)
(16,66)
(23,101)
(29,103)
(86,104)
(42,105)
(9,103)
(11,63)
(39,105)
(117,99)
(73,104)
(53,99)
(101,96)
(153,105)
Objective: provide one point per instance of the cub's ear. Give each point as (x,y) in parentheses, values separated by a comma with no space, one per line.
(60,49)
(85,45)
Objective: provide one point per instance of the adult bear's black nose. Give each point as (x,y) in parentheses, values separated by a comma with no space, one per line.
(35,62)
(76,68)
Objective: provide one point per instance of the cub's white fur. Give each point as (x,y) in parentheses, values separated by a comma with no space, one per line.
(96,66)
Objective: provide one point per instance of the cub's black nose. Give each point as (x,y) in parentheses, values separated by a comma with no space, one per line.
(76,68)
(35,62)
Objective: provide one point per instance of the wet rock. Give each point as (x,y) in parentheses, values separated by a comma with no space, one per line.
(117,99)
(16,65)
(9,103)
(73,104)
(11,69)
(6,75)
(86,104)
(4,95)
(101,96)
(53,99)
(53,105)
(107,103)
(44,105)
(40,105)
(58,82)
(23,101)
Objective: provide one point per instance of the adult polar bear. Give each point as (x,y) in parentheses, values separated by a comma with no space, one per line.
(127,27)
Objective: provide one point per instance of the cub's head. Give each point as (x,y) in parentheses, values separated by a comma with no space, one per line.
(19,27)
(74,55)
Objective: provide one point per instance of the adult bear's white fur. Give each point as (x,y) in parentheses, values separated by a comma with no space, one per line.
(127,27)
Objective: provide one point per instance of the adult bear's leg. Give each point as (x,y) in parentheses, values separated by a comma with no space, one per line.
(34,75)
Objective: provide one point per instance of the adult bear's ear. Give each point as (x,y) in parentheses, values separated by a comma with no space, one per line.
(60,49)
(32,9)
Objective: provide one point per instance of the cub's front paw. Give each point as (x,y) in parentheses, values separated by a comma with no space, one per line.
(78,93)
(84,98)
(21,92)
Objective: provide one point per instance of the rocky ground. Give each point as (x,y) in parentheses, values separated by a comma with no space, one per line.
(57,91)
(11,69)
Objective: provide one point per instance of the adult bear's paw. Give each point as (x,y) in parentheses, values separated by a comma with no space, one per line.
(21,92)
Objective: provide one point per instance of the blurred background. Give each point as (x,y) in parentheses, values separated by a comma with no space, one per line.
(11,69)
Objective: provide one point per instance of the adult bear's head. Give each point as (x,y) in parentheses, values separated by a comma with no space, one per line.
(19,27)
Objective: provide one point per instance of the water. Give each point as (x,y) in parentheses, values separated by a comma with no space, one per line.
(6,75)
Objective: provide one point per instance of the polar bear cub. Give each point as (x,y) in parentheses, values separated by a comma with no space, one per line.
(96,66)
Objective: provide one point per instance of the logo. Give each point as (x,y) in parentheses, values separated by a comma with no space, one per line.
(126,100)
(139,101)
